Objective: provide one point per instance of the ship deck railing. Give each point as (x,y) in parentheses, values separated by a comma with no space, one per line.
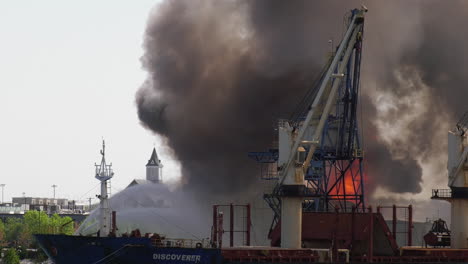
(181,242)
(441,194)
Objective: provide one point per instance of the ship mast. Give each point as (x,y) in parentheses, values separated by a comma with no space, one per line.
(104,173)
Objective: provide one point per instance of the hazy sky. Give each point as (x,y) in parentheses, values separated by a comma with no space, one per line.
(69,71)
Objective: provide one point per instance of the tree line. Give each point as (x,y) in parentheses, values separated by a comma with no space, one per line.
(17,234)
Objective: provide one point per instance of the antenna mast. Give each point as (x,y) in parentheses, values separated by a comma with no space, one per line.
(104,173)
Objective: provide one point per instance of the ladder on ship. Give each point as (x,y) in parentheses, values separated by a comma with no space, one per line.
(109,188)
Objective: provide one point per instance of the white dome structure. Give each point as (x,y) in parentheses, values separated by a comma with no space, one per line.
(153,208)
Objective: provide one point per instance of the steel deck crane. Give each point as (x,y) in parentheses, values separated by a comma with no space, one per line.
(319,157)
(457,195)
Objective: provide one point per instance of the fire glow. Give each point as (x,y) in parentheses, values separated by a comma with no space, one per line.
(347,184)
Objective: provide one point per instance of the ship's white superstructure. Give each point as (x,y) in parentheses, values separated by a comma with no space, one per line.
(458,182)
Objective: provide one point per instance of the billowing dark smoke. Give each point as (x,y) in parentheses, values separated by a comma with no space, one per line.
(442,54)
(222,72)
(221,76)
(419,64)
(381,168)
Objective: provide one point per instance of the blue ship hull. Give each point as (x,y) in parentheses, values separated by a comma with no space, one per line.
(83,250)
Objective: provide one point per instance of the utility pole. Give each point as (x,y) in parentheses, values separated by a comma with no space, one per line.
(3,186)
(24,196)
(89,199)
(54,186)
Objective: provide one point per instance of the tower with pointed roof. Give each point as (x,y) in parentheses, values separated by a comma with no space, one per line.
(154,168)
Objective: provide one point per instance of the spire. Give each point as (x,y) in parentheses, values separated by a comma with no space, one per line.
(154,160)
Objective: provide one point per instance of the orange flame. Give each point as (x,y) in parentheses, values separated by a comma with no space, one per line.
(349,185)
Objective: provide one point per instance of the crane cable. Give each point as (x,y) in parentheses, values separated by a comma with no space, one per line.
(111,254)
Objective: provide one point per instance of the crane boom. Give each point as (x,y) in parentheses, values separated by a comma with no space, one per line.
(346,47)
(298,145)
